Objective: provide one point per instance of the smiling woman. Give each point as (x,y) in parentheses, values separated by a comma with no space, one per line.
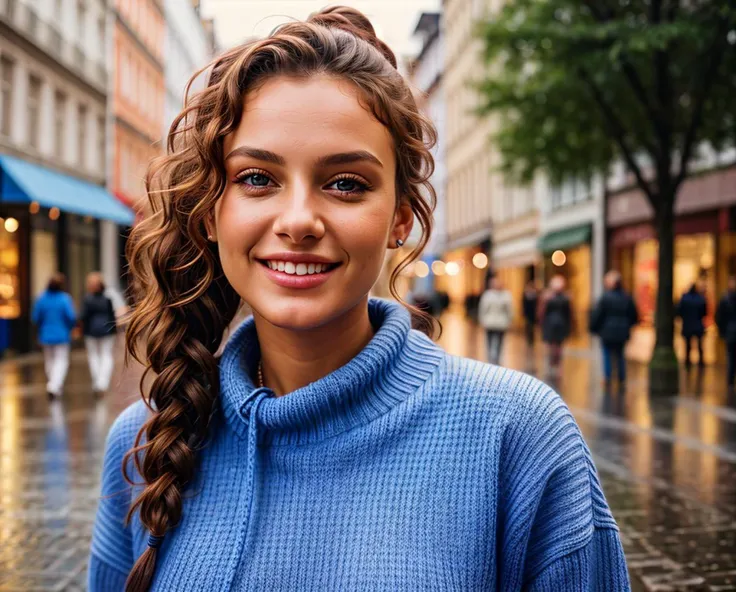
(332,447)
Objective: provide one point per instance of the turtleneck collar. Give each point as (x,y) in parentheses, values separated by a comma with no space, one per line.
(388,370)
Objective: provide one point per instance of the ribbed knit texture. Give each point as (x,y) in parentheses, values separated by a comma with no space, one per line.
(406,469)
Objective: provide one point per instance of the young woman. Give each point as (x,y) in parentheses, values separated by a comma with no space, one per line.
(54,316)
(332,448)
(100,331)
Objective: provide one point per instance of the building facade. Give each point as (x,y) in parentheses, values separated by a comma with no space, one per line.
(426,75)
(137,94)
(471,183)
(53,123)
(189,46)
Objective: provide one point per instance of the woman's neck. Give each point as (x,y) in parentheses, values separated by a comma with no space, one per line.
(293,359)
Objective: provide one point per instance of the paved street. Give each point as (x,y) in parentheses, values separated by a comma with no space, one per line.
(668,466)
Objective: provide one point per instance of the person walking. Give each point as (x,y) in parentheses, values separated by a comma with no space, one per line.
(556,318)
(495,312)
(692,309)
(726,323)
(529,305)
(54,316)
(100,332)
(612,319)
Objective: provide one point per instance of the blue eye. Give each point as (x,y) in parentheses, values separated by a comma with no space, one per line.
(255,179)
(349,185)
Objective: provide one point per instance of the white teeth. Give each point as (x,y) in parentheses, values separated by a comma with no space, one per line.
(297,268)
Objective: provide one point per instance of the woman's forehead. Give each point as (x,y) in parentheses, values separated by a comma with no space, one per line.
(319,113)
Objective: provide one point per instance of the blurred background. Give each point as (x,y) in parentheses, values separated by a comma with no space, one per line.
(559,154)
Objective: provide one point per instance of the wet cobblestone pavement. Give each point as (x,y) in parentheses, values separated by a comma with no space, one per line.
(668,466)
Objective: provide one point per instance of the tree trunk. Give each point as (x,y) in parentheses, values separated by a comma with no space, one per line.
(663,369)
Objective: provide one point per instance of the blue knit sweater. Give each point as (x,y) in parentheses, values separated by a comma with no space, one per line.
(406,469)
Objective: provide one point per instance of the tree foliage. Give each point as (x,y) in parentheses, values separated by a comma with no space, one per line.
(582,83)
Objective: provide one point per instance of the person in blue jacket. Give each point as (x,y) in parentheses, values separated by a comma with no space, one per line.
(54,316)
(692,309)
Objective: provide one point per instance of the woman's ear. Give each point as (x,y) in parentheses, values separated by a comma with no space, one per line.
(403,223)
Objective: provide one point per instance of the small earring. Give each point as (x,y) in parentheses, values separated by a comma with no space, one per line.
(399,242)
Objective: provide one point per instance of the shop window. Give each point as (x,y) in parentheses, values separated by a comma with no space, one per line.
(9,270)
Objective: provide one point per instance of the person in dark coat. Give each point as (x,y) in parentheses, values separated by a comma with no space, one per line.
(726,322)
(100,330)
(529,305)
(556,317)
(692,309)
(612,319)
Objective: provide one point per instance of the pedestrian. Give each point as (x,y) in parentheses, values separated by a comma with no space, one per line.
(726,323)
(529,305)
(100,333)
(693,309)
(612,319)
(333,447)
(54,316)
(556,318)
(495,314)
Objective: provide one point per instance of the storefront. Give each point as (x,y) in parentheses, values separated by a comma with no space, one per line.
(704,254)
(49,222)
(567,252)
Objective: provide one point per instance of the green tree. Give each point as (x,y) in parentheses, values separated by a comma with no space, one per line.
(580,84)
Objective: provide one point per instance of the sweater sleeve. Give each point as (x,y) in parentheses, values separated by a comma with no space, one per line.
(559,533)
(599,566)
(111,553)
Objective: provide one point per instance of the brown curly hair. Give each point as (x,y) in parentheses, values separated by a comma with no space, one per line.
(183,300)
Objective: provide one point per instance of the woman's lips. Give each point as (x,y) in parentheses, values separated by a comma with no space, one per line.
(293,280)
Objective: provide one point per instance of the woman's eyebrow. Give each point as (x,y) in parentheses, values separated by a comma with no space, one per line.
(347,158)
(258,154)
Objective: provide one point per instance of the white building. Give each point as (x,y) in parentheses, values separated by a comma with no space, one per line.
(189,46)
(53,151)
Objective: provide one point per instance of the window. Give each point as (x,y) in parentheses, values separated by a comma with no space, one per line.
(101,36)
(101,143)
(59,121)
(34,109)
(82,134)
(57,11)
(81,22)
(6,95)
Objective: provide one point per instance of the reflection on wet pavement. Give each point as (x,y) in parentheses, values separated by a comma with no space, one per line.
(668,465)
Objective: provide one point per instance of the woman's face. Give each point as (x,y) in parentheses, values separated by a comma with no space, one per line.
(309,205)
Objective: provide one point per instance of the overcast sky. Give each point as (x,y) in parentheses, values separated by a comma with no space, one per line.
(394,20)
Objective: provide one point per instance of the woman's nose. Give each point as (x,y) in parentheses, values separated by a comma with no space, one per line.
(300,218)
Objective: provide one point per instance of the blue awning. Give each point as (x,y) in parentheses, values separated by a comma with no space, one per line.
(23,182)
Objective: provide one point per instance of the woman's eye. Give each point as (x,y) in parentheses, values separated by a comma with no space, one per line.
(256,180)
(348,186)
